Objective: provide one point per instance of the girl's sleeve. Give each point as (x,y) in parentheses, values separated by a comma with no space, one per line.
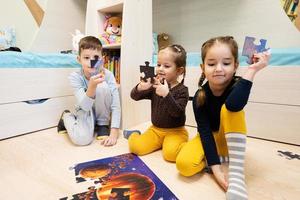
(177,102)
(139,95)
(206,135)
(239,95)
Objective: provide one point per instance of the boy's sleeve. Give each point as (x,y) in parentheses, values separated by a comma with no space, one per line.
(79,89)
(238,97)
(139,95)
(206,135)
(177,103)
(115,105)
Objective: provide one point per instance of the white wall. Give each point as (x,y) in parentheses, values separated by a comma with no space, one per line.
(42,3)
(61,18)
(16,14)
(192,22)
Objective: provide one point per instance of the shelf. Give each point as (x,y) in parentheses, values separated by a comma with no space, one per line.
(112,46)
(115,7)
(121,58)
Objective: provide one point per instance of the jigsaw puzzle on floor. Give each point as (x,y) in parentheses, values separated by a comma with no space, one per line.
(123,177)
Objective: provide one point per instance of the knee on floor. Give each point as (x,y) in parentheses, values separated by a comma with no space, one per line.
(185,168)
(81,142)
(188,165)
(137,148)
(169,154)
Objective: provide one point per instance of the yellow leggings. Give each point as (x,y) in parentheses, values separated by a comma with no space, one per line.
(191,159)
(154,138)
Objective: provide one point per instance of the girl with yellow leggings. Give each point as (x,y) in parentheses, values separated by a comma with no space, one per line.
(169,98)
(218,108)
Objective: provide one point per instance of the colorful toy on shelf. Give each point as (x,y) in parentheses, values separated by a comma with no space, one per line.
(250,48)
(112,30)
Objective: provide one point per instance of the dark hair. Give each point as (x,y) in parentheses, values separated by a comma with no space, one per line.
(232,44)
(89,42)
(180,58)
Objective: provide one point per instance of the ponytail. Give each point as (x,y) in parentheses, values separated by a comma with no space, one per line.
(184,73)
(201,94)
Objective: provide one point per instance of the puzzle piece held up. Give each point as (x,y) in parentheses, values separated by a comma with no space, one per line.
(98,65)
(250,48)
(148,72)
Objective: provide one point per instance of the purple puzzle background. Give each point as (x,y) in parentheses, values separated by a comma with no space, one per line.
(118,165)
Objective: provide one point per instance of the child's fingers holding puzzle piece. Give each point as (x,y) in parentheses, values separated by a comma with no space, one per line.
(161,89)
(260,60)
(99,78)
(144,85)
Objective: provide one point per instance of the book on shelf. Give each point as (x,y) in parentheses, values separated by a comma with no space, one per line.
(112,63)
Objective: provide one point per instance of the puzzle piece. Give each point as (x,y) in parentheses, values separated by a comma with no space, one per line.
(125,176)
(119,194)
(98,65)
(102,137)
(288,155)
(88,195)
(250,48)
(147,71)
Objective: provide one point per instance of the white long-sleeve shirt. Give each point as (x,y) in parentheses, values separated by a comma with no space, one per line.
(79,85)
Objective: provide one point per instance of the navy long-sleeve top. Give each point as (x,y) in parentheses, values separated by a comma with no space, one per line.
(207,116)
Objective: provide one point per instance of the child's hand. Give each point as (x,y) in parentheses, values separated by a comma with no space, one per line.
(144,85)
(260,60)
(96,79)
(112,138)
(161,89)
(93,82)
(220,176)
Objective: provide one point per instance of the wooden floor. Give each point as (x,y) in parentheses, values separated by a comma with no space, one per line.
(36,166)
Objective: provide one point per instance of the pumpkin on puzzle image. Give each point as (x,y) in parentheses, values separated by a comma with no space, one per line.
(112,31)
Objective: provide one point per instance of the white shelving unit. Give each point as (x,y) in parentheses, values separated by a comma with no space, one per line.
(135,48)
(111,46)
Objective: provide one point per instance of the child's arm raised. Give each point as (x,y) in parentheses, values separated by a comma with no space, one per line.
(260,61)
(238,97)
(144,85)
(93,82)
(84,99)
(142,91)
(176,102)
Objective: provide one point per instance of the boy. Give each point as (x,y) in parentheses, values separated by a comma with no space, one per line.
(97,98)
